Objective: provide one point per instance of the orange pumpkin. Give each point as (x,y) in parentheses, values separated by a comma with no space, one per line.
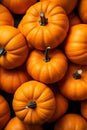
(71,121)
(16,124)
(19,6)
(10,80)
(34,102)
(4,112)
(68,5)
(47,68)
(74,83)
(6,17)
(13,47)
(44,24)
(75,45)
(83,108)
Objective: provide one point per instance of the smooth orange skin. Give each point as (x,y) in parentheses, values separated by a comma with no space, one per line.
(6,17)
(68,5)
(76,43)
(13,41)
(71,122)
(18,6)
(74,89)
(51,34)
(4,112)
(16,124)
(42,95)
(47,72)
(83,108)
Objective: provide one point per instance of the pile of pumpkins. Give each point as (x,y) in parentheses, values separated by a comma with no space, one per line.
(43,64)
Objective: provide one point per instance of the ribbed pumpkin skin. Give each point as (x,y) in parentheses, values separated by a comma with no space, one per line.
(16,124)
(53,33)
(83,108)
(47,72)
(42,95)
(68,5)
(74,89)
(20,6)
(6,17)
(14,43)
(76,44)
(4,112)
(71,122)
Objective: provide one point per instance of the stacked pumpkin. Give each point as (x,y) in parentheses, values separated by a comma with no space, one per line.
(43,64)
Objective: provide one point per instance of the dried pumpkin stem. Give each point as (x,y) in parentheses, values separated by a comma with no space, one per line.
(46,59)
(77,74)
(2,51)
(43,21)
(32,104)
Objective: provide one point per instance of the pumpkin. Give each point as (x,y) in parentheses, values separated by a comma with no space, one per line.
(19,6)
(34,102)
(74,19)
(83,108)
(16,124)
(13,47)
(75,45)
(74,83)
(10,80)
(4,112)
(47,67)
(44,24)
(6,17)
(82,10)
(68,5)
(71,121)
(61,104)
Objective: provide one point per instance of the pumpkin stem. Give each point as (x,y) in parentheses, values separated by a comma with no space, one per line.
(2,51)
(46,59)
(43,21)
(77,74)
(32,104)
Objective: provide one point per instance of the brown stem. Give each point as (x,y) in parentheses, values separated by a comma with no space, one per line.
(77,74)
(43,21)
(2,51)
(46,59)
(32,104)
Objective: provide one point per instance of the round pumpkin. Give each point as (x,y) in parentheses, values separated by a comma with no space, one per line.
(74,83)
(13,47)
(18,6)
(83,108)
(75,45)
(47,67)
(10,80)
(68,5)
(34,102)
(6,17)
(71,121)
(4,112)
(16,124)
(44,24)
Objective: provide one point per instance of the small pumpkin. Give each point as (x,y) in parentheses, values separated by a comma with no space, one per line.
(13,47)
(74,84)
(71,121)
(10,80)
(75,45)
(16,124)
(68,5)
(83,108)
(6,17)
(47,67)
(4,112)
(34,102)
(44,24)
(20,6)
